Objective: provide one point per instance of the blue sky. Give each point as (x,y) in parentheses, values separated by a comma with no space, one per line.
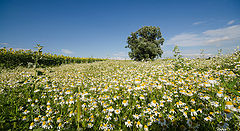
(100,28)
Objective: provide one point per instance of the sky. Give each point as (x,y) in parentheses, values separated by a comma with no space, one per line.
(99,28)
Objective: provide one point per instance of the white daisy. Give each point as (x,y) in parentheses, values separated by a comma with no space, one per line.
(128,123)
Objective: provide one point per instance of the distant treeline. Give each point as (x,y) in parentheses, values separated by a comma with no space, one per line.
(10,58)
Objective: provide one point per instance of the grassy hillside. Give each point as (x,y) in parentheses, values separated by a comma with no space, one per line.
(10,58)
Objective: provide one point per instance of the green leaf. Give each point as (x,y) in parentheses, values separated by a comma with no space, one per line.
(2,121)
(38,129)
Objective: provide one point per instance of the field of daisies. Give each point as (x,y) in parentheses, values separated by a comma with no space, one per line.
(168,94)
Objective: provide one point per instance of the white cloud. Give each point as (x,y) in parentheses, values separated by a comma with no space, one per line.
(227,35)
(167,53)
(3,43)
(230,22)
(198,22)
(218,39)
(67,51)
(120,56)
(197,55)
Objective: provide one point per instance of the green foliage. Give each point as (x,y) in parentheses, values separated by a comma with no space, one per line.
(38,54)
(145,43)
(178,60)
(176,52)
(10,58)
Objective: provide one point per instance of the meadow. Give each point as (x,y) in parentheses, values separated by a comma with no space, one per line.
(165,94)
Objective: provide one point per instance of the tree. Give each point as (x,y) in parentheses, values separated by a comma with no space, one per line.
(145,43)
(176,52)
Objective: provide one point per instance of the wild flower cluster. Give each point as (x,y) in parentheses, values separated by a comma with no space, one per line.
(124,95)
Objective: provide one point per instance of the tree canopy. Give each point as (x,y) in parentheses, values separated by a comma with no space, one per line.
(145,43)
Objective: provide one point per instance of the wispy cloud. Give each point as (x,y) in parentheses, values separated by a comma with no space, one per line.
(230,22)
(3,43)
(227,35)
(218,39)
(120,56)
(67,51)
(198,23)
(197,55)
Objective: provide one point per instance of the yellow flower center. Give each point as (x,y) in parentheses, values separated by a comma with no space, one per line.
(228,103)
(138,123)
(227,111)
